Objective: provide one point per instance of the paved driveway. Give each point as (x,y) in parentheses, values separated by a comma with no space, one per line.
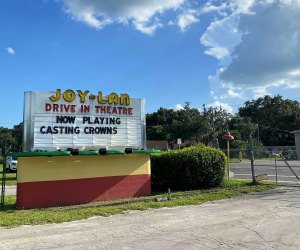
(258,221)
(242,170)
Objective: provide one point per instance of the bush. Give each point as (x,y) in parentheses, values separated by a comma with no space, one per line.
(1,160)
(190,168)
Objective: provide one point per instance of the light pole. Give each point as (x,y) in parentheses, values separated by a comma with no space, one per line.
(228,137)
(252,159)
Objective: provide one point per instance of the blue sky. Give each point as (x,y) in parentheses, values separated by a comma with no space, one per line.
(168,52)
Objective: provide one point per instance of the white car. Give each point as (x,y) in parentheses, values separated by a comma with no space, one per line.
(11,163)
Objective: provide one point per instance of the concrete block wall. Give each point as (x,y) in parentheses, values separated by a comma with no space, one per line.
(68,180)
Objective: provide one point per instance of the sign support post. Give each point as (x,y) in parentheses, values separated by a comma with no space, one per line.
(252,159)
(228,137)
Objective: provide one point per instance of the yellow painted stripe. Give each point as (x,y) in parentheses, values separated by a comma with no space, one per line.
(31,169)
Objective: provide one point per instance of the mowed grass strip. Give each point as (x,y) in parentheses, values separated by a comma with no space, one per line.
(12,217)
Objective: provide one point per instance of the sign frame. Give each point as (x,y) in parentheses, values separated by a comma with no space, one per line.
(30,100)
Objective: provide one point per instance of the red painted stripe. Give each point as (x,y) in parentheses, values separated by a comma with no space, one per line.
(70,192)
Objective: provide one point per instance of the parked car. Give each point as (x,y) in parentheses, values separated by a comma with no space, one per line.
(11,163)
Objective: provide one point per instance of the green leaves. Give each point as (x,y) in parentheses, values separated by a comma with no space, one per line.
(187,124)
(275,118)
(190,168)
(11,139)
(270,120)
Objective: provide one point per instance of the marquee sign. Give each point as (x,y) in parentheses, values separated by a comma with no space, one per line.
(83,120)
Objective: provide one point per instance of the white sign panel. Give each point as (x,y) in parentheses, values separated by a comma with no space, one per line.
(83,120)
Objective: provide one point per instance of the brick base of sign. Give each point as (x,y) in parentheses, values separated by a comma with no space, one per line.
(42,194)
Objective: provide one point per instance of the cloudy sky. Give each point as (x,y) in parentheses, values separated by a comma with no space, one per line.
(217,53)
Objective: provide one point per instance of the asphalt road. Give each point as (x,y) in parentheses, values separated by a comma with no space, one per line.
(242,170)
(258,221)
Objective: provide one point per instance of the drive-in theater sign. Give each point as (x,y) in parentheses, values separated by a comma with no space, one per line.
(82,147)
(79,119)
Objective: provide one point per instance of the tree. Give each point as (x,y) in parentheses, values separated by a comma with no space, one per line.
(17,133)
(168,124)
(6,140)
(216,121)
(275,117)
(187,124)
(158,124)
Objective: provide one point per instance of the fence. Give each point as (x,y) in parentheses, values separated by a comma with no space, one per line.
(277,164)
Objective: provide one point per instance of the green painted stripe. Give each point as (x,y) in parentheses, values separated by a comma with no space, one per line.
(145,151)
(88,152)
(42,153)
(115,152)
(68,153)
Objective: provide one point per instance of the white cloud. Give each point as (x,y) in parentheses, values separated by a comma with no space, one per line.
(268,54)
(214,83)
(149,30)
(218,104)
(217,52)
(209,7)
(258,48)
(232,93)
(10,50)
(292,84)
(139,13)
(243,6)
(177,107)
(221,37)
(186,20)
(260,92)
(220,90)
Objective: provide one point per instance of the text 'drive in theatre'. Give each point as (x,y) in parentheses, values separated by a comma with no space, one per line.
(82,122)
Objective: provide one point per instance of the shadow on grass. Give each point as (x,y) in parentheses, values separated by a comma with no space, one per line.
(9,204)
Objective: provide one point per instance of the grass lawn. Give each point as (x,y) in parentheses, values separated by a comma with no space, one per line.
(236,160)
(11,178)
(11,217)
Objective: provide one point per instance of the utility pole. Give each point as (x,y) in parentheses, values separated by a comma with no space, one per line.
(257,133)
(252,159)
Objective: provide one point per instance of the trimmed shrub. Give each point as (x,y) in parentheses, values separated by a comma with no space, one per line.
(190,168)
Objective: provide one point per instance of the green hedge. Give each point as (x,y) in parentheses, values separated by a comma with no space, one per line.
(190,168)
